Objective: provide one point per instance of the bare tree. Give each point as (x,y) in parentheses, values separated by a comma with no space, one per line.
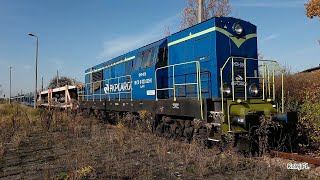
(211,8)
(63,80)
(166,31)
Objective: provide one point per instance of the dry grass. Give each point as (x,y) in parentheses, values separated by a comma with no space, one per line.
(15,123)
(73,147)
(297,86)
(302,94)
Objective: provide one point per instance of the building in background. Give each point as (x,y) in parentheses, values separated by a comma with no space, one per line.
(314,69)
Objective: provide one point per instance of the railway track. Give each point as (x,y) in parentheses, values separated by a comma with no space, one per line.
(296,157)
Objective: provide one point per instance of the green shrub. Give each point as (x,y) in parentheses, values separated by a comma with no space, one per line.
(302,95)
(309,118)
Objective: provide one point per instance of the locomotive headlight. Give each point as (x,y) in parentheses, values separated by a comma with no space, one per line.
(253,89)
(226,90)
(237,28)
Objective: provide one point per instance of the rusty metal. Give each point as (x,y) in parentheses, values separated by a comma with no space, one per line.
(296,157)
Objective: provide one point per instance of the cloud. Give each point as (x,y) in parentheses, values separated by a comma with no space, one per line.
(122,44)
(270,4)
(270,37)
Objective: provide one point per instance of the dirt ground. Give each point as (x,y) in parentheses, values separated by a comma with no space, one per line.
(71,147)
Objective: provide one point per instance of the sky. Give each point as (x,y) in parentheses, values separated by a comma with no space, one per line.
(77,34)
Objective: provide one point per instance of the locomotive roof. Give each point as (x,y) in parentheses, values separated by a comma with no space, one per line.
(156,43)
(222,18)
(153,44)
(312,69)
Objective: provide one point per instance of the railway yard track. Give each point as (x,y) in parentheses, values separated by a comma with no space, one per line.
(43,155)
(32,158)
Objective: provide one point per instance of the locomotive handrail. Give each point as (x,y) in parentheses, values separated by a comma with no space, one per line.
(198,82)
(265,76)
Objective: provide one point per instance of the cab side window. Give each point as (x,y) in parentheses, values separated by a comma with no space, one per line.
(144,59)
(148,57)
(137,62)
(96,78)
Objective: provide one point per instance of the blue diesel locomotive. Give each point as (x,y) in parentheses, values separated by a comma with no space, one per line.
(208,74)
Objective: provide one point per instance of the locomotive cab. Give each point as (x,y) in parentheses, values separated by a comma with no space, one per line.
(147,60)
(218,64)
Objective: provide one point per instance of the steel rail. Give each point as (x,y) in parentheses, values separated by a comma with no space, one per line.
(296,157)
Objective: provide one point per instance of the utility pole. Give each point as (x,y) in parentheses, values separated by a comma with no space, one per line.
(42,84)
(36,78)
(200,10)
(10,87)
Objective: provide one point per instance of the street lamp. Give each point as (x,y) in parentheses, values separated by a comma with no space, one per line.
(10,87)
(35,89)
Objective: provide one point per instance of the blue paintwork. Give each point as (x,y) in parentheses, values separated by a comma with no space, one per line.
(248,49)
(26,99)
(210,49)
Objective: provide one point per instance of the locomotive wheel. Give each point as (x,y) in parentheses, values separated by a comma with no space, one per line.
(174,128)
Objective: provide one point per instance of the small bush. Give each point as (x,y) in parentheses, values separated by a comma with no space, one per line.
(146,120)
